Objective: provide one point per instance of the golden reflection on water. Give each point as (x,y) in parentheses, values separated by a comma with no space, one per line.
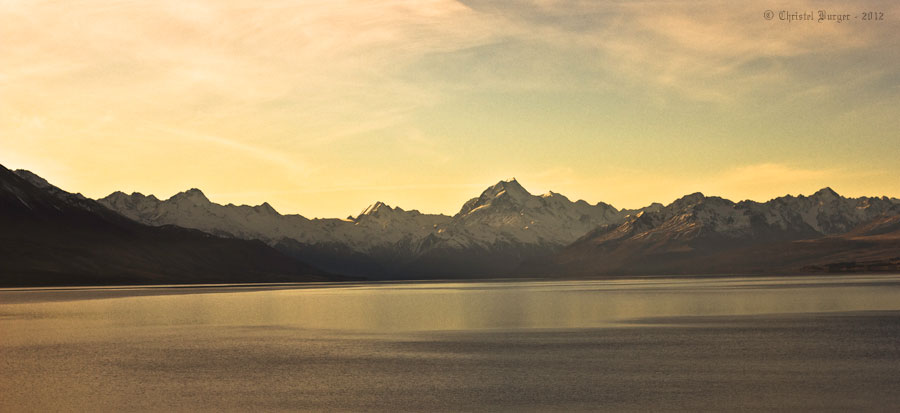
(454,346)
(40,315)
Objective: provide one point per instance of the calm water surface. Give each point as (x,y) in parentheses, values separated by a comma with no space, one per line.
(801,343)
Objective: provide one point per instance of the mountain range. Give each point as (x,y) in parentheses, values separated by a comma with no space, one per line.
(709,235)
(505,231)
(490,236)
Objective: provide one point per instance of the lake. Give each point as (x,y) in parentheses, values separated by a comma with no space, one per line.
(797,343)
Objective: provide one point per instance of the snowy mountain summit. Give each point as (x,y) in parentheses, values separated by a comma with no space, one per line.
(507,213)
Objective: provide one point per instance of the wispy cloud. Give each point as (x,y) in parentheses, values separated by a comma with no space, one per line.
(715,51)
(260,152)
(324,63)
(321,63)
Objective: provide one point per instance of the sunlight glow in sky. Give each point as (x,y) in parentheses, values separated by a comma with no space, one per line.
(321,107)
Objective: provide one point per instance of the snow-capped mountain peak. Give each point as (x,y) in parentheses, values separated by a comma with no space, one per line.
(507,214)
(510,187)
(505,195)
(376,209)
(551,194)
(266,209)
(192,196)
(688,200)
(826,195)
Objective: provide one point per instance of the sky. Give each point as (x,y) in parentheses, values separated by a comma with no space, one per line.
(324,107)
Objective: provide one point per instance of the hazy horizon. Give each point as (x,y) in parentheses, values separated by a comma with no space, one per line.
(321,108)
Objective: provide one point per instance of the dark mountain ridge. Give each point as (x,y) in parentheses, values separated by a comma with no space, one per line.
(52,237)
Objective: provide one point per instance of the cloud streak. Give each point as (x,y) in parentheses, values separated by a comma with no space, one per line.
(259,152)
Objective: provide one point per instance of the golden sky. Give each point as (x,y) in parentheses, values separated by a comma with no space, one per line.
(323,107)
